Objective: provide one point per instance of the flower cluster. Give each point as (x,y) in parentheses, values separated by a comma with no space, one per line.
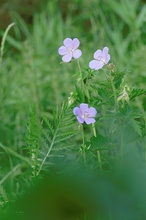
(70,51)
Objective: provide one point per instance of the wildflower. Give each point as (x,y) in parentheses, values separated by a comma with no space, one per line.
(101,57)
(69,50)
(85,114)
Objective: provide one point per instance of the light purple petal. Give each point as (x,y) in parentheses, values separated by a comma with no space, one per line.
(80,120)
(84,107)
(92,112)
(106,56)
(67,42)
(105,51)
(89,120)
(107,59)
(76,111)
(97,54)
(62,50)
(75,43)
(67,58)
(77,53)
(96,65)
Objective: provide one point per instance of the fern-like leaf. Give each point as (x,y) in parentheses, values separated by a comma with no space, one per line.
(33,140)
(3,196)
(56,135)
(136,92)
(118,79)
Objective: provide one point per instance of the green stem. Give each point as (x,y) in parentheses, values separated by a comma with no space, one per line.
(84,147)
(33,81)
(98,152)
(81,76)
(114,91)
(94,131)
(99,159)
(84,86)
(121,148)
(119,155)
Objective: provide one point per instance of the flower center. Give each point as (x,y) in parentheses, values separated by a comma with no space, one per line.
(100,58)
(70,50)
(85,115)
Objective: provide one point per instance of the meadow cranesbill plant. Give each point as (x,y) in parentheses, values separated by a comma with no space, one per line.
(101,57)
(101,128)
(85,114)
(70,50)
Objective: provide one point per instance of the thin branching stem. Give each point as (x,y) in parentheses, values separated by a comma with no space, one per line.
(98,152)
(81,76)
(84,147)
(114,92)
(121,147)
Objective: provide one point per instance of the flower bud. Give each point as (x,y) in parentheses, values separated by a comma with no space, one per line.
(71,99)
(111,67)
(124,96)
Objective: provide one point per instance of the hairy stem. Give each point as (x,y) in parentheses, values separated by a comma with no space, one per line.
(81,76)
(98,152)
(114,91)
(84,147)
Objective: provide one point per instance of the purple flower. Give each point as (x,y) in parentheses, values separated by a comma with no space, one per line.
(69,50)
(101,58)
(85,114)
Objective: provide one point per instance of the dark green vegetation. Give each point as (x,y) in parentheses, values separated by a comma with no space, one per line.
(39,137)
